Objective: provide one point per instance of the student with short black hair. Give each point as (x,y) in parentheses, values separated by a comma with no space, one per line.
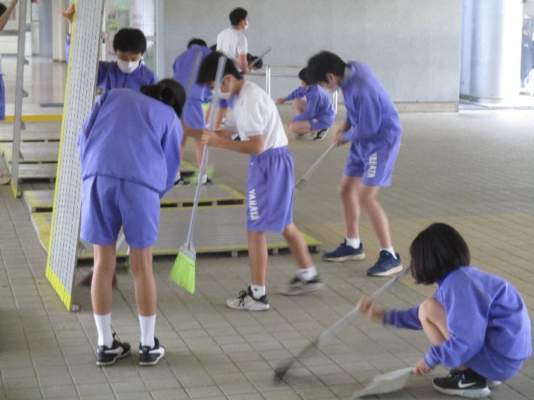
(315,114)
(374,130)
(270,182)
(127,131)
(255,63)
(198,42)
(128,71)
(477,322)
(232,42)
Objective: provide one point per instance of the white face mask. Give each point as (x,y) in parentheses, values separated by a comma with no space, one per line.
(128,66)
(246,26)
(223,95)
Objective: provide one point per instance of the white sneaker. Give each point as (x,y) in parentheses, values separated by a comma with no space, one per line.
(245,301)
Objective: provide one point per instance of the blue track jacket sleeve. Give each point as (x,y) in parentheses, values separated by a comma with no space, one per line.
(296,94)
(369,116)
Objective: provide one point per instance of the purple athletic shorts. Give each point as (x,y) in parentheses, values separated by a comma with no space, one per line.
(109,203)
(270,190)
(373,161)
(193,114)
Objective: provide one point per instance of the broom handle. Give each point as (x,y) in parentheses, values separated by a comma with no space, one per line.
(211,122)
(260,57)
(316,164)
(335,329)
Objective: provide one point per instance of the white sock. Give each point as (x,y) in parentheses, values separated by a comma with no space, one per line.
(355,243)
(307,274)
(204,179)
(103,326)
(390,251)
(178,176)
(147,324)
(257,291)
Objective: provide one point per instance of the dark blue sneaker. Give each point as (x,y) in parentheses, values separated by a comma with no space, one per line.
(386,265)
(345,253)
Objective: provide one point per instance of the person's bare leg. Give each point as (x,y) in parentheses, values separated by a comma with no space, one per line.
(301,127)
(105,259)
(434,321)
(258,257)
(298,106)
(368,200)
(298,246)
(145,286)
(348,192)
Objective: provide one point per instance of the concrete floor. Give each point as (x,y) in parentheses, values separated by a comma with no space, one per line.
(473,170)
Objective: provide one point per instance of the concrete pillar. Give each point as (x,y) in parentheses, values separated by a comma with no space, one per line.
(496,49)
(45,28)
(465,50)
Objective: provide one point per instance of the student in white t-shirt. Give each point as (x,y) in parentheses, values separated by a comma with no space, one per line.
(232,42)
(270,181)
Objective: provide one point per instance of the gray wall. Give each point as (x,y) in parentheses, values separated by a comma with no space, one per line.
(412,45)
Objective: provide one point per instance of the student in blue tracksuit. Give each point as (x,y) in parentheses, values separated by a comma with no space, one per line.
(316,114)
(374,130)
(130,152)
(477,322)
(193,115)
(128,71)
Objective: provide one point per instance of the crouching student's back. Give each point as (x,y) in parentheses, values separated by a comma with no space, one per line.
(130,152)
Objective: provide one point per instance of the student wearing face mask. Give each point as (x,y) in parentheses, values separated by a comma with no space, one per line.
(128,71)
(232,42)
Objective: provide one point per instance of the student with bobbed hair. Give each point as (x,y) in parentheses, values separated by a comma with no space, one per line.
(477,322)
(130,153)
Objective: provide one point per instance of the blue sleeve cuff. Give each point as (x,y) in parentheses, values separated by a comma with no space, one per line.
(428,360)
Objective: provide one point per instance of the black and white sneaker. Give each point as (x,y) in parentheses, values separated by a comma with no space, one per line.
(297,286)
(181,181)
(246,301)
(151,355)
(321,134)
(108,355)
(466,383)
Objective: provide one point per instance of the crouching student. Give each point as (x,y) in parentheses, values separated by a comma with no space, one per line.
(270,181)
(315,114)
(130,152)
(476,322)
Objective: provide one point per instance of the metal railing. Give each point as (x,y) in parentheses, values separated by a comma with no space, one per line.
(268,75)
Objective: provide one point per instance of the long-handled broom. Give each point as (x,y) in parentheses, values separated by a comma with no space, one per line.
(333,331)
(304,180)
(183,271)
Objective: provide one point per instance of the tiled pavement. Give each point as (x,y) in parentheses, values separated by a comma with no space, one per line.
(474,170)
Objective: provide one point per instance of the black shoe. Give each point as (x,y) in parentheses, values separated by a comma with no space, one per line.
(108,355)
(321,134)
(208,182)
(297,286)
(462,383)
(151,355)
(182,182)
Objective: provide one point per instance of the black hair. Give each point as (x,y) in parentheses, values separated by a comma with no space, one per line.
(208,69)
(237,15)
(323,63)
(437,251)
(167,91)
(197,41)
(3,9)
(213,47)
(303,76)
(252,59)
(131,40)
